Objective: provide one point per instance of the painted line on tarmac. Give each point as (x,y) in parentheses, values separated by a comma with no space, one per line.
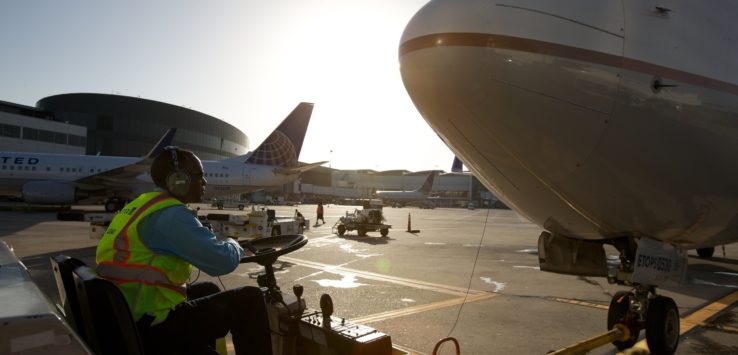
(422,308)
(580,303)
(699,317)
(451,290)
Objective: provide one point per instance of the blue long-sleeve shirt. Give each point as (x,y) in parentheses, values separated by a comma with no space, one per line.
(177,231)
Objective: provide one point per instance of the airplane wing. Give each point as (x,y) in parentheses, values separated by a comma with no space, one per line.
(123,175)
(298,169)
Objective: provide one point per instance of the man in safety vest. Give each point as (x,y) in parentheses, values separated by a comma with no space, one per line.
(148,251)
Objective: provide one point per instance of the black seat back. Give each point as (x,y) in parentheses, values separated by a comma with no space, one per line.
(63,267)
(109,327)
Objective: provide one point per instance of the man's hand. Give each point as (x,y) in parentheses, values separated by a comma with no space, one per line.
(247,245)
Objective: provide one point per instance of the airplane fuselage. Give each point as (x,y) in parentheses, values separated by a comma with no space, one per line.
(595,119)
(223,177)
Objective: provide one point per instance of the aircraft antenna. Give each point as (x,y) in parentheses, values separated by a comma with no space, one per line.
(471,275)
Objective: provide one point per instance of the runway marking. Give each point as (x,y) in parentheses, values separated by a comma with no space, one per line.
(422,308)
(451,290)
(700,317)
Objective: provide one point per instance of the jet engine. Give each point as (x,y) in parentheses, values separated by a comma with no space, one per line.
(50,192)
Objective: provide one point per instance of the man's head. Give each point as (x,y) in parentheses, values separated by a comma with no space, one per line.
(180,172)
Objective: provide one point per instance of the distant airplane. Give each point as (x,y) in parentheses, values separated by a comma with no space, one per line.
(64,179)
(405,197)
(604,122)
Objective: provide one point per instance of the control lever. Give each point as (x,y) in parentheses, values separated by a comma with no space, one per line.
(297,289)
(326,307)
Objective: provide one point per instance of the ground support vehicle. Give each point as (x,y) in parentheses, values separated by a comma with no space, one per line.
(255,224)
(362,221)
(221,204)
(98,319)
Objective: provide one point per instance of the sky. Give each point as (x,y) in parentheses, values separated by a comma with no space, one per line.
(248,63)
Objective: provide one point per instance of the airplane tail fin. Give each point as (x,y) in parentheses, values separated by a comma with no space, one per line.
(165,140)
(282,147)
(428,184)
(457,166)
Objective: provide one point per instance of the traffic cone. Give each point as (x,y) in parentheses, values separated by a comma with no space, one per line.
(409,229)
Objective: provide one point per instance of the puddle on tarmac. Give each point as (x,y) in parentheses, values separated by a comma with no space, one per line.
(348,281)
(499,286)
(528,251)
(350,249)
(526,267)
(408,300)
(434,243)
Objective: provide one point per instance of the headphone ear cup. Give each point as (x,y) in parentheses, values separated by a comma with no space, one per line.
(178,183)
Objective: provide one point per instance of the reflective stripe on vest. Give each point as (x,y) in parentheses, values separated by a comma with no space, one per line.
(121,273)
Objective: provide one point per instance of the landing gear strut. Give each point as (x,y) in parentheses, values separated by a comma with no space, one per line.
(642,309)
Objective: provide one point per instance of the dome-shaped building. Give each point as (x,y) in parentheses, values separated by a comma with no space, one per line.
(129,126)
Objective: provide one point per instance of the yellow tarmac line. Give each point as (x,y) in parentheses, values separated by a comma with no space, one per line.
(452,290)
(581,303)
(700,317)
(421,308)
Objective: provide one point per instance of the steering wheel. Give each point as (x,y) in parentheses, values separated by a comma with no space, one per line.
(265,251)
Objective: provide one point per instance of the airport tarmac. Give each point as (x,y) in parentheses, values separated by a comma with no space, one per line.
(470,274)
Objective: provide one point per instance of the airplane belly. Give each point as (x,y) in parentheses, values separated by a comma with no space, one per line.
(665,167)
(573,135)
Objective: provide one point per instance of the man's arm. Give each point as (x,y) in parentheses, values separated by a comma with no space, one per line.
(176,231)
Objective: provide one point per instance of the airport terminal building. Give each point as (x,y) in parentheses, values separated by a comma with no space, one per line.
(114,125)
(127,126)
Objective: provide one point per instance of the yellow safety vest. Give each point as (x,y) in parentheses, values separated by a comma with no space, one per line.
(152,283)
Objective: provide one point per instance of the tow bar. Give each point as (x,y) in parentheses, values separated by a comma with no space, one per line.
(617,333)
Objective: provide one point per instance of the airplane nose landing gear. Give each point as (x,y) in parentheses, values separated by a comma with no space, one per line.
(642,309)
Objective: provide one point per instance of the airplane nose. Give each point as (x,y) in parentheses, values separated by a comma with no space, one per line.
(537,82)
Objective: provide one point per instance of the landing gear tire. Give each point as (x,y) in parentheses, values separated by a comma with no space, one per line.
(662,325)
(384,232)
(341,230)
(618,313)
(706,252)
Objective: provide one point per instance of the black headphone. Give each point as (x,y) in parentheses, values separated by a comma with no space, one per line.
(178,181)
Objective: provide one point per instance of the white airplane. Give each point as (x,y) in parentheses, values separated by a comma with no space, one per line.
(603,121)
(64,179)
(419,194)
